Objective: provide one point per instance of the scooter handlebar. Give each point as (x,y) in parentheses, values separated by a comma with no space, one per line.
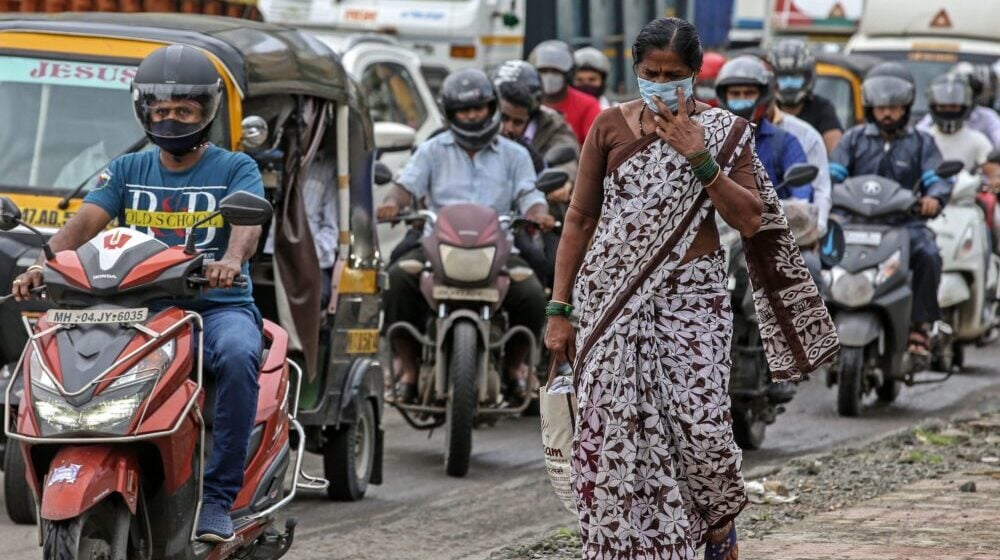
(199,280)
(36,290)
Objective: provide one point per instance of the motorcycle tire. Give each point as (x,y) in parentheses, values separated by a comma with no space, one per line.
(349,456)
(461,414)
(17,495)
(94,534)
(889,389)
(958,356)
(850,378)
(747,429)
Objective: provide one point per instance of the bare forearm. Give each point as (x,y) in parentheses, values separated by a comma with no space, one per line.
(399,196)
(242,243)
(81,228)
(739,206)
(576,235)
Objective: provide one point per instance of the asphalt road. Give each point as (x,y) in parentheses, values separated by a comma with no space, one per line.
(421,513)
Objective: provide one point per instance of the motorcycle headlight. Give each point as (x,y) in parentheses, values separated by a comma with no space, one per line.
(853,290)
(100,415)
(150,366)
(968,242)
(888,268)
(467,265)
(39,376)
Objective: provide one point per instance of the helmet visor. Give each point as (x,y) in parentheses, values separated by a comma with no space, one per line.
(887,91)
(949,94)
(175,110)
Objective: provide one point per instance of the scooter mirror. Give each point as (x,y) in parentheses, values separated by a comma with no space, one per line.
(800,174)
(10,214)
(245,209)
(383,175)
(948,168)
(560,155)
(551,179)
(832,246)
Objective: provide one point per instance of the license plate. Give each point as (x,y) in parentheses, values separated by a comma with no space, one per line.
(362,341)
(489,295)
(95,316)
(870,238)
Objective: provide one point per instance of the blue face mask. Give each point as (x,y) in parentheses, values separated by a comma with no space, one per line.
(667,92)
(740,105)
(791,82)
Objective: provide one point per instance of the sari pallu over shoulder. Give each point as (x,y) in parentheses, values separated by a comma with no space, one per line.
(796,329)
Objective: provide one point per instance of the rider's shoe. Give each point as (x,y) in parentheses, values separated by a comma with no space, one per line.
(406,393)
(214,524)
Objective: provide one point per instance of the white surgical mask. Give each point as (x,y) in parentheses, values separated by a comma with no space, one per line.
(552,83)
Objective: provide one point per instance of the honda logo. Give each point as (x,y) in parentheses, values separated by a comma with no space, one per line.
(872,188)
(117,240)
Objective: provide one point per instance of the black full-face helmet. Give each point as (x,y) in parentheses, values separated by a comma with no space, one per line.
(945,92)
(795,70)
(888,84)
(176,93)
(464,89)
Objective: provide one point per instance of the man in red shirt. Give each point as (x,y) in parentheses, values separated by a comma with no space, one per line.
(554,62)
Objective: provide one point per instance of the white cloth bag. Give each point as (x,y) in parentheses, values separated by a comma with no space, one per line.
(557,404)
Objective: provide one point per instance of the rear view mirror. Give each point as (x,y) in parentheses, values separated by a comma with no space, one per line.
(800,174)
(394,137)
(254,132)
(551,179)
(10,214)
(383,175)
(832,246)
(245,209)
(948,168)
(560,155)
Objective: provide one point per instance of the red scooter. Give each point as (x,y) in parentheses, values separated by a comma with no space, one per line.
(114,421)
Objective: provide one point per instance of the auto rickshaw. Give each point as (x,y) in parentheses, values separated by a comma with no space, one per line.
(64,85)
(838,78)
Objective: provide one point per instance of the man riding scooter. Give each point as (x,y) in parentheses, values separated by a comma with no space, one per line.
(470,162)
(887,146)
(176,93)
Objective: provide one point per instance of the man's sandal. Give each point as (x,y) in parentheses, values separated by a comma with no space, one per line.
(726,549)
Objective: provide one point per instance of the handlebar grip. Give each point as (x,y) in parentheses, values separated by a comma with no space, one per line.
(36,290)
(240,281)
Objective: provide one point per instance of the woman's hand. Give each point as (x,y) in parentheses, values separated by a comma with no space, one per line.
(679,131)
(560,339)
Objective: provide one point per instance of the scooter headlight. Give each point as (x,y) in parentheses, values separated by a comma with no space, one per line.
(467,265)
(967,244)
(98,416)
(853,290)
(150,366)
(888,268)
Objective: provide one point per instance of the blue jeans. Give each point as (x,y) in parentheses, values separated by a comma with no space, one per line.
(233,342)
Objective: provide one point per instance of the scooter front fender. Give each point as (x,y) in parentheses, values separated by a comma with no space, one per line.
(857,328)
(953,290)
(80,477)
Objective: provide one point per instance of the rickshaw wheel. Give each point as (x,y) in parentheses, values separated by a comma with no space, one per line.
(349,456)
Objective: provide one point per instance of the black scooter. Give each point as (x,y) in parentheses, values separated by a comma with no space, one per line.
(870,295)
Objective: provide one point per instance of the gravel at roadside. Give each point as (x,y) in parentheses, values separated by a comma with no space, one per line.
(831,481)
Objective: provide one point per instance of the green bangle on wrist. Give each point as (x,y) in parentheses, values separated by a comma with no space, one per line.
(558,309)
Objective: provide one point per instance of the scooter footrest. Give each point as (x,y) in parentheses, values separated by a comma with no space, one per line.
(312,482)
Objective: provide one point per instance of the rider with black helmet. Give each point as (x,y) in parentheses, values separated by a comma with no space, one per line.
(745,86)
(160,192)
(982,118)
(468,163)
(795,69)
(949,98)
(887,146)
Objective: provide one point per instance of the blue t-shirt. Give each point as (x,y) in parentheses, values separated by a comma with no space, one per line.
(147,197)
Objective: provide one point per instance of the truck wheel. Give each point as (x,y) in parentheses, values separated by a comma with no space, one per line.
(461,415)
(16,493)
(349,455)
(748,429)
(97,533)
(849,380)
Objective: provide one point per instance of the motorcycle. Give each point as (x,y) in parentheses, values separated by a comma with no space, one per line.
(870,295)
(465,281)
(968,291)
(756,402)
(116,417)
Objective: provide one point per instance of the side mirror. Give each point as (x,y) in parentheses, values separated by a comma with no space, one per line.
(255,132)
(948,168)
(245,209)
(10,214)
(394,137)
(551,179)
(383,175)
(800,174)
(832,246)
(560,155)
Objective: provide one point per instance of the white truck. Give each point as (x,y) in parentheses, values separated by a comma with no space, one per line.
(929,36)
(447,34)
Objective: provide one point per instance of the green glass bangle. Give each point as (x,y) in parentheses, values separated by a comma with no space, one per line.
(557,309)
(706,171)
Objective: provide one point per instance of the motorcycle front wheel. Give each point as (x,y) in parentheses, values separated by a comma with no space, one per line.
(98,533)
(461,414)
(850,380)
(748,430)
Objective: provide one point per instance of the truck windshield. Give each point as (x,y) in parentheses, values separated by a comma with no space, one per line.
(64,120)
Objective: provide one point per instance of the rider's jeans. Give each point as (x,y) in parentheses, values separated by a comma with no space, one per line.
(232,355)
(925,262)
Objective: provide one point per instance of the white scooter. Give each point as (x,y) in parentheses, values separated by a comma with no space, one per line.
(968,290)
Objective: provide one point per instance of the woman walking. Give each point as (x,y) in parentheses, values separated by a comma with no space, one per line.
(655,467)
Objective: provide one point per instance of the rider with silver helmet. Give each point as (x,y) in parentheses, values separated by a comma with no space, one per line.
(554,61)
(470,162)
(745,86)
(949,98)
(176,92)
(795,71)
(981,118)
(591,76)
(887,146)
